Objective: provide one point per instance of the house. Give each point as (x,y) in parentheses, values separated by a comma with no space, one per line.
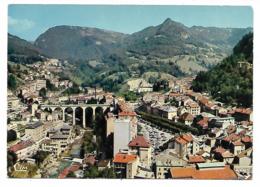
(243,114)
(52,147)
(237,147)
(125,165)
(244,158)
(36,131)
(193,108)
(24,149)
(194,159)
(144,173)
(142,148)
(183,144)
(203,123)
(168,112)
(204,171)
(222,123)
(165,161)
(186,118)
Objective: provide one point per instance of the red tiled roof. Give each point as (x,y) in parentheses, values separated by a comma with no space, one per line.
(246,139)
(192,104)
(139,141)
(180,140)
(203,122)
(184,139)
(243,111)
(67,170)
(21,145)
(187,137)
(127,113)
(224,174)
(203,100)
(124,158)
(219,150)
(196,159)
(231,138)
(187,117)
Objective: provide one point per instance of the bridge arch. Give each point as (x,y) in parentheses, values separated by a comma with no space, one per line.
(80,114)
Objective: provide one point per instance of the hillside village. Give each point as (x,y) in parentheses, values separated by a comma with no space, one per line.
(57,129)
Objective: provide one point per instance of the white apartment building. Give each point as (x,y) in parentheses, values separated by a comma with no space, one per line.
(122,134)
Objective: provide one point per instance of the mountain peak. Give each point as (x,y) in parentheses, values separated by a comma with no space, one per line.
(168,20)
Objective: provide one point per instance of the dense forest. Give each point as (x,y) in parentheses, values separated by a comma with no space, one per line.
(231,81)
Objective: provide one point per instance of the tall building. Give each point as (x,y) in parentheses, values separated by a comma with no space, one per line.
(122,134)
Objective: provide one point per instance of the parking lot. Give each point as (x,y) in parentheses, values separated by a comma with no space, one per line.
(157,137)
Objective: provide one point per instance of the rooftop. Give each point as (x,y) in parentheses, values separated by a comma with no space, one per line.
(21,145)
(196,159)
(193,173)
(124,158)
(34,125)
(139,141)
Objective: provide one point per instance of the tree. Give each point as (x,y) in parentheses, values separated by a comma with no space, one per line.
(71,175)
(12,82)
(11,159)
(43,92)
(107,173)
(50,86)
(40,156)
(91,172)
(11,135)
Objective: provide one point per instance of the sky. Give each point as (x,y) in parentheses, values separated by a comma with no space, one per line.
(29,21)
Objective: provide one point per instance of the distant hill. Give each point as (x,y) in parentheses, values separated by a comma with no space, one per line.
(245,47)
(165,40)
(231,81)
(22,51)
(172,38)
(108,59)
(72,42)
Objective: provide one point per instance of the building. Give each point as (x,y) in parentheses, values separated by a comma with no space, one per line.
(213,171)
(40,84)
(243,114)
(13,102)
(24,149)
(143,149)
(110,124)
(122,134)
(139,85)
(186,118)
(165,161)
(125,165)
(145,87)
(52,147)
(222,123)
(36,131)
(183,144)
(193,108)
(168,112)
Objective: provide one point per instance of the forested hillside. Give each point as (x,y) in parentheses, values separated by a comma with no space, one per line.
(231,81)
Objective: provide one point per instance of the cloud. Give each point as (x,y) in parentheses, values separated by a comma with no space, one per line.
(20,24)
